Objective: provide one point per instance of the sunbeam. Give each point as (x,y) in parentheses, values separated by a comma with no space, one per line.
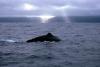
(44,18)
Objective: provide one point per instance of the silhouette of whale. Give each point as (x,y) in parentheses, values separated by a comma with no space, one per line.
(47,37)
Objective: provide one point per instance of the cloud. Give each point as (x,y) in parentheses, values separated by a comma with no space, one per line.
(71,7)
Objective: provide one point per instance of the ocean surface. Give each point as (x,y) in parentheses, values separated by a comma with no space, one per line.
(80,45)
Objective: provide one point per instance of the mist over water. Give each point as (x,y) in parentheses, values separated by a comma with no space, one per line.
(80,45)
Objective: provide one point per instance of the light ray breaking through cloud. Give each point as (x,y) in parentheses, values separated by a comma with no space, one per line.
(45,18)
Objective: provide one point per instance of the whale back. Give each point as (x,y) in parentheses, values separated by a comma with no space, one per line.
(48,37)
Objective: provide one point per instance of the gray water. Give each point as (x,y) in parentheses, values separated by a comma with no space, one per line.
(80,45)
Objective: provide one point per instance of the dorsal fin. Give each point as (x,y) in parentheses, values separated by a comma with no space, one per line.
(49,34)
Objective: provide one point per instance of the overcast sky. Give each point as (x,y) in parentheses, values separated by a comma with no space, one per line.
(52,7)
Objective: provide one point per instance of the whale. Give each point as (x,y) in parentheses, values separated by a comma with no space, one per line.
(48,37)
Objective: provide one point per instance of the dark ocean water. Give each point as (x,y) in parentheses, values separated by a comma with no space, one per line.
(79,19)
(80,45)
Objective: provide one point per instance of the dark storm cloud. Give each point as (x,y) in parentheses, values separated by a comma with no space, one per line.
(71,7)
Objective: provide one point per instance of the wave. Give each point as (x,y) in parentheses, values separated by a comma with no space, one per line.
(8,40)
